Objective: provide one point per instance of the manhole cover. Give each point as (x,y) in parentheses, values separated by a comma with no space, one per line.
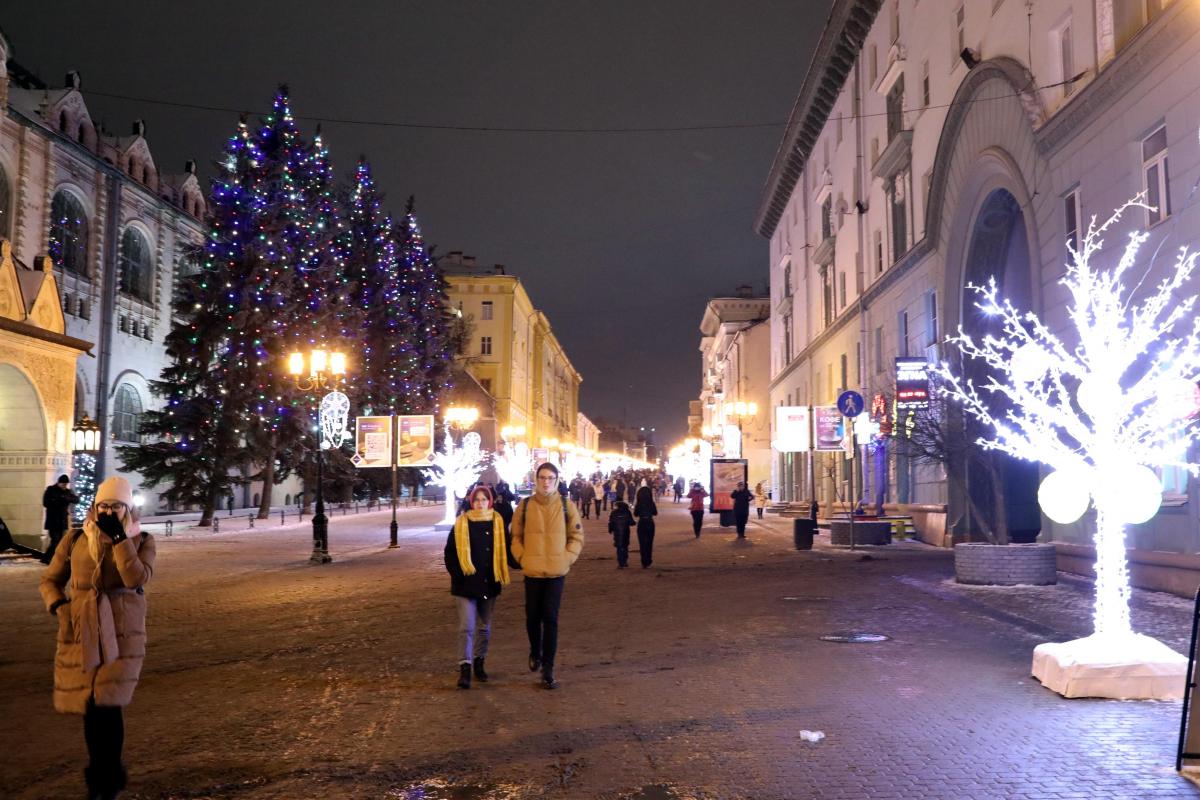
(855,637)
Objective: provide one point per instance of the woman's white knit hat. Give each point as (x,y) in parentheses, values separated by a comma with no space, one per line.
(115,490)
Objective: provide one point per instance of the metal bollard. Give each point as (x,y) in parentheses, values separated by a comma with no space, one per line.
(281,519)
(251,518)
(169,528)
(216,524)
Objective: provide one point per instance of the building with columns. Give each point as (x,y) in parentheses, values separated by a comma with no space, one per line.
(117,229)
(937,143)
(508,346)
(734,363)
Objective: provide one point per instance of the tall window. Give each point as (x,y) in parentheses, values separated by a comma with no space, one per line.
(878,252)
(924,84)
(1154,173)
(841,289)
(931,319)
(895,21)
(899,209)
(487,309)
(960,33)
(1071,218)
(895,109)
(902,333)
(5,206)
(787,339)
(485,345)
(136,277)
(127,416)
(1066,56)
(873,64)
(827,218)
(827,294)
(878,350)
(787,280)
(68,233)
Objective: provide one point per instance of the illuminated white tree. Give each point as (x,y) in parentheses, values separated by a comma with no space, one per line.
(514,464)
(1101,410)
(457,469)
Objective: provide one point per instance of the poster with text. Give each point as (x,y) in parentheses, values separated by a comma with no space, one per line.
(827,422)
(416,440)
(793,432)
(373,441)
(727,473)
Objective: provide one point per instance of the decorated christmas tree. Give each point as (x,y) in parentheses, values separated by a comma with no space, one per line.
(425,290)
(198,435)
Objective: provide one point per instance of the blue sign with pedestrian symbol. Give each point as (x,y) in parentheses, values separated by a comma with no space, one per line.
(850,404)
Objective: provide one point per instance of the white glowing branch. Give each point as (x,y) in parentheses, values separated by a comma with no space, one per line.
(1101,412)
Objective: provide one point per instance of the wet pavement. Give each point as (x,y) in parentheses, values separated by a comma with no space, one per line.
(702,677)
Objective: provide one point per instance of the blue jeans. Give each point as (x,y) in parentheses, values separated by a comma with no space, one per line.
(473,612)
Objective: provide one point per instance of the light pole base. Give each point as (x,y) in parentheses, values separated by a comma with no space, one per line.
(319,557)
(393,531)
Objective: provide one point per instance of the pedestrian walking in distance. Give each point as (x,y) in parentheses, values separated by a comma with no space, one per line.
(598,493)
(645,510)
(56,500)
(95,587)
(678,488)
(741,507)
(477,560)
(696,506)
(547,538)
(586,495)
(760,499)
(620,520)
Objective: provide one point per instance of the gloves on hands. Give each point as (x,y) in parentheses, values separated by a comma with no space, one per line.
(111,527)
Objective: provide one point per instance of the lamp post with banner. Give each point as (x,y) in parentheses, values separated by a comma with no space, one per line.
(325,370)
(391,442)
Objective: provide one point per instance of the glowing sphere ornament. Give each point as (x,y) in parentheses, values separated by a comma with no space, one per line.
(1064,495)
(1030,363)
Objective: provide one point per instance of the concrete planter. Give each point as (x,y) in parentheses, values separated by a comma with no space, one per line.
(1005,565)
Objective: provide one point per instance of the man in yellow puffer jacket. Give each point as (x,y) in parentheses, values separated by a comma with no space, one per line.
(547,538)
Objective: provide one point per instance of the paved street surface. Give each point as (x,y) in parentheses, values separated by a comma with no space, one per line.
(270,678)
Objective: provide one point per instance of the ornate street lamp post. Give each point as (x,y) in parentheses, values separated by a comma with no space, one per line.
(85,444)
(325,371)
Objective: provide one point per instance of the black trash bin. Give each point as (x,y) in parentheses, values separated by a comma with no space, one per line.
(802,532)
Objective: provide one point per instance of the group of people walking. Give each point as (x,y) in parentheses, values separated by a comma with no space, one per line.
(544,539)
(95,585)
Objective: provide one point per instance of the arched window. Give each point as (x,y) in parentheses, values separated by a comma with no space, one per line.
(127,414)
(135,275)
(68,233)
(5,206)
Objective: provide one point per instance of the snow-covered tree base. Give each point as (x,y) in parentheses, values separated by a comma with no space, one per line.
(1119,667)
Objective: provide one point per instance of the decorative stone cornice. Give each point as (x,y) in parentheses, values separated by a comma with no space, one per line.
(838,49)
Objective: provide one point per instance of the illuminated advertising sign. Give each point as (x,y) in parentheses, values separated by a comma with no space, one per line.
(827,422)
(912,382)
(726,474)
(372,442)
(793,429)
(416,440)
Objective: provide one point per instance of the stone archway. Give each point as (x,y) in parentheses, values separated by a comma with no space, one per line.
(998,248)
(25,466)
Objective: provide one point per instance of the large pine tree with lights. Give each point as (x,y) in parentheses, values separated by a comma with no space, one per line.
(295,289)
(425,290)
(200,431)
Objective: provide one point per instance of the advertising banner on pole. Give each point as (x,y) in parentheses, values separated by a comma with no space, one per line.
(416,440)
(726,474)
(827,422)
(793,429)
(372,442)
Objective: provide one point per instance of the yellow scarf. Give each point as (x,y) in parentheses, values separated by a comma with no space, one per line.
(462,543)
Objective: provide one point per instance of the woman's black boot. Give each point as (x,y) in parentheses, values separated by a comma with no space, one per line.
(464,676)
(480,675)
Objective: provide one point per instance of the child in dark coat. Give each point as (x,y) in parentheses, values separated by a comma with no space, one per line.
(620,520)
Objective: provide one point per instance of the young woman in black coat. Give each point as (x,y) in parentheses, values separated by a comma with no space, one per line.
(645,510)
(477,560)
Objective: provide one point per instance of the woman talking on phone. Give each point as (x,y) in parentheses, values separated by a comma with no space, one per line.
(94,585)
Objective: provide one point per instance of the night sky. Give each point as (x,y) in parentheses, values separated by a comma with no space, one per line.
(619,237)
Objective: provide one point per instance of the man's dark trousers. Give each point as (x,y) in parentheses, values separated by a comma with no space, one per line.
(55,538)
(543,596)
(740,518)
